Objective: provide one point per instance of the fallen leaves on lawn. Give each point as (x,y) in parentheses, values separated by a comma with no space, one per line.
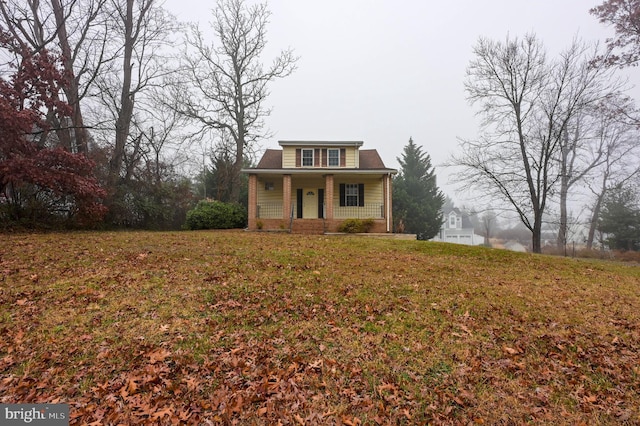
(239,328)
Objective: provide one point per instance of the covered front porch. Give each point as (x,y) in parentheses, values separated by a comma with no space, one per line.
(317,203)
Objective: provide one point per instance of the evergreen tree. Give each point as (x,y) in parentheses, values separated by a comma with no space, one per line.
(620,219)
(218,179)
(417,201)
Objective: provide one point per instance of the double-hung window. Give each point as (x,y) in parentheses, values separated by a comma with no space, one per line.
(334,157)
(307,157)
(351,194)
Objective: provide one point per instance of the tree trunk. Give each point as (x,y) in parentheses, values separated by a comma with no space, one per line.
(240,142)
(78,141)
(235,170)
(564,189)
(126,99)
(562,230)
(536,234)
(594,219)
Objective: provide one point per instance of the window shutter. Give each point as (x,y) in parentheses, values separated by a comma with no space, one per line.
(361,194)
(342,194)
(316,158)
(298,158)
(324,157)
(343,157)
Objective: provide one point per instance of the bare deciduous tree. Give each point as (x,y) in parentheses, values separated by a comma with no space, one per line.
(620,155)
(488,223)
(77,31)
(527,104)
(115,54)
(578,151)
(139,50)
(227,81)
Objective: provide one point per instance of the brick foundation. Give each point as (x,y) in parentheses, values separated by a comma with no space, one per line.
(310,226)
(379,225)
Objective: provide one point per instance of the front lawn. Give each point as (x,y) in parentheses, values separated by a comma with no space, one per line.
(251,328)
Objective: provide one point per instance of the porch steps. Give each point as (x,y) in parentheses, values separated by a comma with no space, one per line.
(308,226)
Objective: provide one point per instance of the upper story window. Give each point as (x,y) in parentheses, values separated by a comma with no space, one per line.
(319,157)
(452,221)
(334,157)
(307,157)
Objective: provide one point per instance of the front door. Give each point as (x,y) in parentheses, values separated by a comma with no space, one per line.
(310,203)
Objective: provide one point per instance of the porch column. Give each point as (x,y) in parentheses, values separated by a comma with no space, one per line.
(286,196)
(388,207)
(328,195)
(252,208)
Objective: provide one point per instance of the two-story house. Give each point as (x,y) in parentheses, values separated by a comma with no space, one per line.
(457,228)
(313,186)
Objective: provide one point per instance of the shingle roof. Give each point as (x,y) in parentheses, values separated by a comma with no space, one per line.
(370,159)
(272,159)
(466,220)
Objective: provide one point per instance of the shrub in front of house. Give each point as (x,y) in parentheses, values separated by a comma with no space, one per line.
(356,226)
(216,215)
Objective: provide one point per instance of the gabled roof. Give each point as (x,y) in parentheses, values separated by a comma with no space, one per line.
(466,220)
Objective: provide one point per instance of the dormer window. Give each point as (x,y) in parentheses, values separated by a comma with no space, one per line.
(307,157)
(334,157)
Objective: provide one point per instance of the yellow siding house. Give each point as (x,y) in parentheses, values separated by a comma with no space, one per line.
(313,186)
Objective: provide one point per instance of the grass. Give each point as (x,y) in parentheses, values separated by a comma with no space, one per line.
(248,328)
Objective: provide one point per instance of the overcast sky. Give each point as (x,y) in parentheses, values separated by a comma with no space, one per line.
(381,71)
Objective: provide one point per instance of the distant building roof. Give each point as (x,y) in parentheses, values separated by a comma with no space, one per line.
(466,220)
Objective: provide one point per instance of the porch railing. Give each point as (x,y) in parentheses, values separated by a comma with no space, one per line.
(269,211)
(368,211)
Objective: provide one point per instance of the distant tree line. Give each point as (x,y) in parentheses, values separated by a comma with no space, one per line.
(102,108)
